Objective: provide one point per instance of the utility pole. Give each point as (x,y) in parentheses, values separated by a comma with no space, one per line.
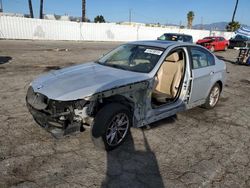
(41,9)
(130,16)
(30,8)
(1,6)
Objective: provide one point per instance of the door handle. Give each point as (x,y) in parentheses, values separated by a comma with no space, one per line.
(212,72)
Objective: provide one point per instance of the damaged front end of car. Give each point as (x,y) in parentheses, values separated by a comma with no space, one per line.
(65,117)
(58,117)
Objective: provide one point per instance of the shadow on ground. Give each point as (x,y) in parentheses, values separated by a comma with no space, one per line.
(230,61)
(130,167)
(127,167)
(5,59)
(224,59)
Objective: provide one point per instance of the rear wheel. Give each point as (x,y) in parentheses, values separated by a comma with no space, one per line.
(213,97)
(226,48)
(111,126)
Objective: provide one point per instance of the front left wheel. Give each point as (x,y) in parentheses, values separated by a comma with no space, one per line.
(111,126)
(226,48)
(212,49)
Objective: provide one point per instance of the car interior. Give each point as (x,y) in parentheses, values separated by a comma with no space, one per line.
(168,79)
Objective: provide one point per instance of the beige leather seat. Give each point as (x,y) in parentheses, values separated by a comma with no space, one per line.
(168,78)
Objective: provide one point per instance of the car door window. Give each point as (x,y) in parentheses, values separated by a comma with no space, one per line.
(201,58)
(188,39)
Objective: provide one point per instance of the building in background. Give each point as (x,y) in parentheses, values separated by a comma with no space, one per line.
(13,14)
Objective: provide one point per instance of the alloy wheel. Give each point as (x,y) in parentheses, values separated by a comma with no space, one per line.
(214,96)
(117,129)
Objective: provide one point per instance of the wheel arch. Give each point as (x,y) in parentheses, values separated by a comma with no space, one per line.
(120,99)
(212,85)
(220,84)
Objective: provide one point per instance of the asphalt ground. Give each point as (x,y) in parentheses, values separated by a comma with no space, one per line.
(196,148)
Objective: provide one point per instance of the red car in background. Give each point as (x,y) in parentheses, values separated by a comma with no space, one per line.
(214,43)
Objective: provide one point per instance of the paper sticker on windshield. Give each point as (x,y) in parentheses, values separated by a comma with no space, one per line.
(155,52)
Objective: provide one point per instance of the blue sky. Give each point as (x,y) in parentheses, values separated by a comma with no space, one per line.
(147,11)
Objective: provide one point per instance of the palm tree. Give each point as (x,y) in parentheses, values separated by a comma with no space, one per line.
(235,9)
(41,9)
(190,18)
(232,26)
(31,9)
(83,10)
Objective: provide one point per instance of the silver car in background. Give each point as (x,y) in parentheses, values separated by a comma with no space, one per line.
(133,85)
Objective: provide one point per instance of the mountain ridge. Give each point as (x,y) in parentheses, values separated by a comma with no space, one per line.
(213,26)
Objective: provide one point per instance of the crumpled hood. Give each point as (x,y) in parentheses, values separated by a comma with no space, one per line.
(83,80)
(204,41)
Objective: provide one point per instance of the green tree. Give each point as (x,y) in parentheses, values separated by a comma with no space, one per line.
(233,26)
(99,19)
(84,19)
(190,18)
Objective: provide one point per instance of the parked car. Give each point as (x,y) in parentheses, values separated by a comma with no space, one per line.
(239,41)
(134,85)
(214,43)
(176,37)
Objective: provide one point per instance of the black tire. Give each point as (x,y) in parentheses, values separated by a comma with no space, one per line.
(104,125)
(208,104)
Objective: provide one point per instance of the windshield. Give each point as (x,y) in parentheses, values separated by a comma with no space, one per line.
(132,57)
(210,38)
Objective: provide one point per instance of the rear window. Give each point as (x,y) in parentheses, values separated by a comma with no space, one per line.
(176,37)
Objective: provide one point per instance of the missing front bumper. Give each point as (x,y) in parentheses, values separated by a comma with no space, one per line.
(56,127)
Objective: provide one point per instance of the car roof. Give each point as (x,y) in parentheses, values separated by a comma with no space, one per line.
(214,37)
(177,34)
(159,43)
